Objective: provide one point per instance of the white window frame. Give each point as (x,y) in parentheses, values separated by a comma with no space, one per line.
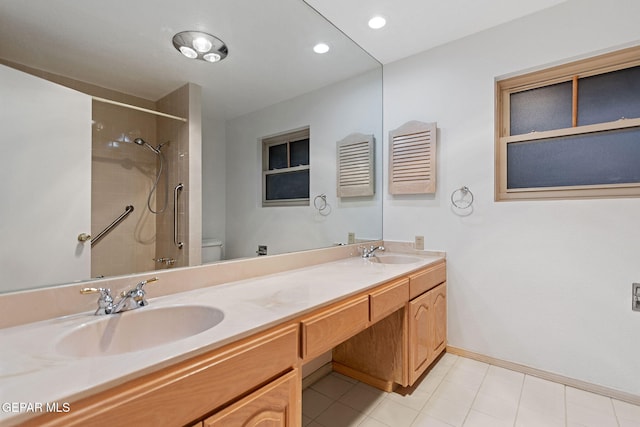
(283,138)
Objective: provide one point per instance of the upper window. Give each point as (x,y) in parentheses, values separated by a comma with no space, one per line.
(285,169)
(570,131)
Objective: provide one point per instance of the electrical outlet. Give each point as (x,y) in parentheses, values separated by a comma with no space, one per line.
(635,297)
(352,238)
(419,243)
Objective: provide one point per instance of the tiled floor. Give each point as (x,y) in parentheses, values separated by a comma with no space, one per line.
(462,392)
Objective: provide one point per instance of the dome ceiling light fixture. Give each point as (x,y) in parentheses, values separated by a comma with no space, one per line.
(199,45)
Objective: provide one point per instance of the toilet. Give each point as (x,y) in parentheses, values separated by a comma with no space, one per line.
(211,250)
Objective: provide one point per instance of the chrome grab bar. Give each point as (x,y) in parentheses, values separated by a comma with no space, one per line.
(176,191)
(108,228)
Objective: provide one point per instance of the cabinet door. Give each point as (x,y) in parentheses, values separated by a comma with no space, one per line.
(438,338)
(427,330)
(419,340)
(275,405)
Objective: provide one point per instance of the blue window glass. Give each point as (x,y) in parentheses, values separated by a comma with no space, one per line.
(611,157)
(541,109)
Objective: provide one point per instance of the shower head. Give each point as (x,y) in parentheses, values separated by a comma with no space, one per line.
(144,143)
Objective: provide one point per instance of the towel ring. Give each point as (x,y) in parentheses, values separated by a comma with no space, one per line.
(320,203)
(465,199)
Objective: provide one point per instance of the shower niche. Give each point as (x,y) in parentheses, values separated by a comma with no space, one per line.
(140,159)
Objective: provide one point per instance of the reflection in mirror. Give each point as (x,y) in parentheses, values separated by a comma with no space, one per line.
(80,161)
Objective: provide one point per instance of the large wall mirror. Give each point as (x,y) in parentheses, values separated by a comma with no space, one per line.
(194,178)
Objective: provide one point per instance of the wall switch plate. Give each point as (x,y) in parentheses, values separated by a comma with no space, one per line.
(419,243)
(352,238)
(635,297)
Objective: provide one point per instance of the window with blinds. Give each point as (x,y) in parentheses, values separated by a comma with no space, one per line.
(412,158)
(355,166)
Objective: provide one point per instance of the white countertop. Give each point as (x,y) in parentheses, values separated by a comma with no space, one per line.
(33,371)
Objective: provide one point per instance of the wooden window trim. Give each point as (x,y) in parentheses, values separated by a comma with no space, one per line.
(614,61)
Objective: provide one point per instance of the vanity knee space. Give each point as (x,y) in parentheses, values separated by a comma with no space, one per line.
(407,334)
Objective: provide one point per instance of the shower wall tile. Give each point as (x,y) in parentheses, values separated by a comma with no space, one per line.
(123,174)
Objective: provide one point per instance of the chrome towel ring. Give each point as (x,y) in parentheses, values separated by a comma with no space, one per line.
(321,204)
(462,198)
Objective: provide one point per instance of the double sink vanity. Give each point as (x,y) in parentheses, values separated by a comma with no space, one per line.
(230,354)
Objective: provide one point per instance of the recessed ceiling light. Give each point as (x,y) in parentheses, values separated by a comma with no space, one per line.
(377,22)
(199,45)
(321,48)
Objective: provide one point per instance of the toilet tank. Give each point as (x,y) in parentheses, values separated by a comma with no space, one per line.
(211,250)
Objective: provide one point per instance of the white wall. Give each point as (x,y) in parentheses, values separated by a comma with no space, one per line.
(45,147)
(332,113)
(213,179)
(544,283)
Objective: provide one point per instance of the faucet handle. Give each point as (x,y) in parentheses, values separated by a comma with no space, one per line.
(137,294)
(144,282)
(105,302)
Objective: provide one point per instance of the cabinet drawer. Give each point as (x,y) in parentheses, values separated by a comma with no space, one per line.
(424,280)
(323,331)
(388,299)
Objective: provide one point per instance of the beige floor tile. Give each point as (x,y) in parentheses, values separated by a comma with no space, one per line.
(626,411)
(414,400)
(529,418)
(363,398)
(459,392)
(504,409)
(340,415)
(589,400)
(332,386)
(456,391)
(314,403)
(426,420)
(450,411)
(543,397)
(394,414)
(478,419)
(579,415)
(372,422)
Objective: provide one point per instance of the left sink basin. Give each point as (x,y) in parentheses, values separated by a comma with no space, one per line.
(137,330)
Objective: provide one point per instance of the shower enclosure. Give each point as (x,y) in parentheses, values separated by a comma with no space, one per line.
(140,159)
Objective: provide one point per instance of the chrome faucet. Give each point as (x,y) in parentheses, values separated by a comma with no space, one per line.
(129,300)
(368,253)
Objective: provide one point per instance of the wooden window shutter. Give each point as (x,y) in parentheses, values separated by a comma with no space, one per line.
(355,166)
(412,158)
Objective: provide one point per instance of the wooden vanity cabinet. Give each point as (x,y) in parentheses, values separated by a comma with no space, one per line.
(407,334)
(251,378)
(386,336)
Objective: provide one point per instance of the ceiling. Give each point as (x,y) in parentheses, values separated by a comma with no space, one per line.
(125,45)
(414,26)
